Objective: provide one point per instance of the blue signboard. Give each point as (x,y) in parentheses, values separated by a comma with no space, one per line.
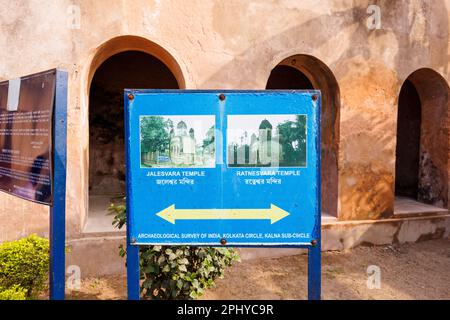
(238,168)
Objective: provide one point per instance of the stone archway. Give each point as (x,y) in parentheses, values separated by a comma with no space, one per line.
(307,72)
(124,62)
(422,150)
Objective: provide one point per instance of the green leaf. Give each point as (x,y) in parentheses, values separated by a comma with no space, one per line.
(179,252)
(172,256)
(166,268)
(182,268)
(161,259)
(147,283)
(150,269)
(183,261)
(193,295)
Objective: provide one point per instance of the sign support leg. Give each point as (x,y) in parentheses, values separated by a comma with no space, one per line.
(315,251)
(133,272)
(58,210)
(314,272)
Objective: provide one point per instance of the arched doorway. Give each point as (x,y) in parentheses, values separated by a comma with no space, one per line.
(408,142)
(124,69)
(307,72)
(421,168)
(285,77)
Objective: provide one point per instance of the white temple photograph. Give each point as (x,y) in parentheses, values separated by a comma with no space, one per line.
(266,140)
(177,141)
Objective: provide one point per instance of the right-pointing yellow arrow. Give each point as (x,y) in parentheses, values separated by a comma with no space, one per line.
(274,214)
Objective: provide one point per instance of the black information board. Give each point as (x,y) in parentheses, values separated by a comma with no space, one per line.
(26,112)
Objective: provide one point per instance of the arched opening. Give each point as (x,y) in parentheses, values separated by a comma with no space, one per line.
(421,168)
(286,77)
(408,142)
(307,72)
(125,69)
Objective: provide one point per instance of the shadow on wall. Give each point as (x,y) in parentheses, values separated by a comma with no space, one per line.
(420,31)
(306,72)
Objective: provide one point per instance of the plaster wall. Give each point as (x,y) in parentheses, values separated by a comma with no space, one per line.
(233,45)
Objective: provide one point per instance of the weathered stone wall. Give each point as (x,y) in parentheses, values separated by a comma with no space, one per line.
(234,45)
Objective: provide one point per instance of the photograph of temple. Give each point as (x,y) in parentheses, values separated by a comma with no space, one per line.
(177,141)
(266,141)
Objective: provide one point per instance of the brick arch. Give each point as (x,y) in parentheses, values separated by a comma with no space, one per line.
(134,43)
(122,62)
(427,91)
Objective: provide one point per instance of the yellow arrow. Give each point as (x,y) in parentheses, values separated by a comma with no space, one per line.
(274,214)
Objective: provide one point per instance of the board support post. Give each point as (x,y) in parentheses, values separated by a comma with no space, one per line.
(58,209)
(132,258)
(133,272)
(314,272)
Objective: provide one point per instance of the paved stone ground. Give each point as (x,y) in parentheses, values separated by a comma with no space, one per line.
(409,271)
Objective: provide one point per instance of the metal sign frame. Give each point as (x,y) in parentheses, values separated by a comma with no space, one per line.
(21,98)
(57,278)
(58,157)
(314,248)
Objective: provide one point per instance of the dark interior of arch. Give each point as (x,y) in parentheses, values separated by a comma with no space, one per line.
(422,139)
(408,142)
(130,69)
(290,77)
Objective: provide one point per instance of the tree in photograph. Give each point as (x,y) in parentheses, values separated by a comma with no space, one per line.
(293,140)
(301,138)
(169,124)
(209,137)
(154,134)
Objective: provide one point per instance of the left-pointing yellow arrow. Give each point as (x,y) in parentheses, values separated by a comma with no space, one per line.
(274,214)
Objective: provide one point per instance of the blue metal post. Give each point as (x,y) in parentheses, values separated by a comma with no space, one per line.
(133,272)
(315,251)
(133,285)
(58,210)
(314,272)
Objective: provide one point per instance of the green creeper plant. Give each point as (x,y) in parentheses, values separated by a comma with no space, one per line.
(176,272)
